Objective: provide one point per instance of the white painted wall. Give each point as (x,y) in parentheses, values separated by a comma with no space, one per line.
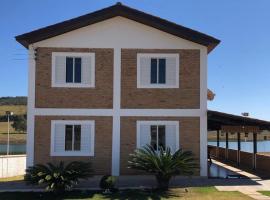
(118,33)
(12,165)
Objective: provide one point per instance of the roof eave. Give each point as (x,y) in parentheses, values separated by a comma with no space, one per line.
(113,11)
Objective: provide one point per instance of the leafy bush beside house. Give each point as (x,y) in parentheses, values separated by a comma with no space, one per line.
(59,177)
(107,183)
(163,164)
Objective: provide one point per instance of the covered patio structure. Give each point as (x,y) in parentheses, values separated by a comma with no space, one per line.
(240,129)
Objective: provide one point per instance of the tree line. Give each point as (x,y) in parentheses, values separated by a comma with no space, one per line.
(18,100)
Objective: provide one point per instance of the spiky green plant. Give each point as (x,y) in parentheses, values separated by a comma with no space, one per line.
(59,177)
(163,164)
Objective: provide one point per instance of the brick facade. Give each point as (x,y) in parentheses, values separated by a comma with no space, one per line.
(99,97)
(185,97)
(189,136)
(103,143)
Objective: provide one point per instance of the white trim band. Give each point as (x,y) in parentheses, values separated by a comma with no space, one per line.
(121,112)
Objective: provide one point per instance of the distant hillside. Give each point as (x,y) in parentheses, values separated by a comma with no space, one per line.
(8,101)
(16,109)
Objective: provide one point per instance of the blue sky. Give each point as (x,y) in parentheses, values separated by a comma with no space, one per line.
(238,69)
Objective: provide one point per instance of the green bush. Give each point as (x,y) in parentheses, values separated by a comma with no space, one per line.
(60,177)
(107,183)
(163,164)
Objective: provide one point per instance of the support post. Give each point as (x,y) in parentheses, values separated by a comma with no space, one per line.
(227,146)
(217,152)
(238,148)
(254,150)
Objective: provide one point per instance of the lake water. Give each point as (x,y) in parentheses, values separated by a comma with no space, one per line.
(262,146)
(13,149)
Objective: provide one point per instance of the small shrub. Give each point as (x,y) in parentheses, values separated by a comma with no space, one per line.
(60,177)
(107,183)
(163,164)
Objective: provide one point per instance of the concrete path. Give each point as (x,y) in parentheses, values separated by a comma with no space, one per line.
(251,189)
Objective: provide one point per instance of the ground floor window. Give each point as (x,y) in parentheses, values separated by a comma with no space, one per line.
(72,138)
(158,134)
(158,139)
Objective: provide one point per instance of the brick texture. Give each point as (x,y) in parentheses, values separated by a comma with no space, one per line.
(185,97)
(98,97)
(103,143)
(189,137)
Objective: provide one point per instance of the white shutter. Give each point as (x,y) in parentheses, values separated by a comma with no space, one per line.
(59,138)
(86,138)
(145,137)
(171,71)
(60,69)
(87,70)
(171,137)
(145,70)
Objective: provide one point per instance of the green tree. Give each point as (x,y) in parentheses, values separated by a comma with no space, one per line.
(19,123)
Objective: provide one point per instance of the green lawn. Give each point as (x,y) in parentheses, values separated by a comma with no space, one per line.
(14,178)
(266,193)
(205,193)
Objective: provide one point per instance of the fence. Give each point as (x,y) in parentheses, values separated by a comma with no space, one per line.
(12,165)
(262,162)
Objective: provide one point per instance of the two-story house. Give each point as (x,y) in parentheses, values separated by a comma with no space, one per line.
(105,83)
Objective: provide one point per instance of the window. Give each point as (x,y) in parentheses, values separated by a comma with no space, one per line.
(73,69)
(158,134)
(72,138)
(158,137)
(158,70)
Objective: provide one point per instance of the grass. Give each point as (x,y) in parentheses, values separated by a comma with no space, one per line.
(17,138)
(16,109)
(205,193)
(9,179)
(266,193)
(4,127)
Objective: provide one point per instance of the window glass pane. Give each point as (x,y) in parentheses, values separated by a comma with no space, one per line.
(162,71)
(153,70)
(77,137)
(161,137)
(154,137)
(69,69)
(78,70)
(68,137)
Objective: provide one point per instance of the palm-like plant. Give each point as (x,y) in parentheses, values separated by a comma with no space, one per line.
(163,164)
(60,177)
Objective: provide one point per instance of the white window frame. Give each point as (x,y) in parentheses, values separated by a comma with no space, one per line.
(157,56)
(73,122)
(74,85)
(157,123)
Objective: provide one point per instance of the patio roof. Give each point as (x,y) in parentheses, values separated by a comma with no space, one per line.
(218,119)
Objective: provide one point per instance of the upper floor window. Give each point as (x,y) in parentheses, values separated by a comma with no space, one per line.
(72,138)
(73,69)
(157,70)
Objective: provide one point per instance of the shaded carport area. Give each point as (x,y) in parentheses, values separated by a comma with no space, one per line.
(235,139)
